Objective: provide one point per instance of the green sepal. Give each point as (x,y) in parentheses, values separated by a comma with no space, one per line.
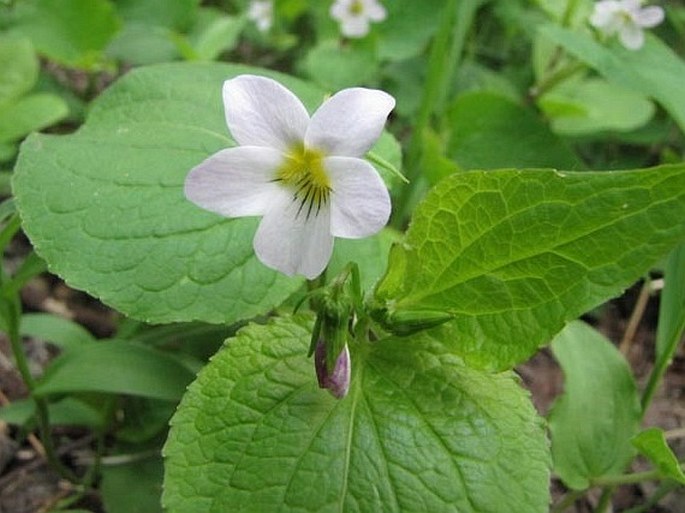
(408,322)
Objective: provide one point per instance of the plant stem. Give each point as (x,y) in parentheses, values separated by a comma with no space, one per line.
(625,479)
(665,487)
(635,317)
(668,334)
(11,315)
(446,50)
(567,19)
(675,433)
(567,501)
(605,499)
(551,80)
(42,414)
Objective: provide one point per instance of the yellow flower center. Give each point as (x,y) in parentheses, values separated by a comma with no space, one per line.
(304,174)
(356,8)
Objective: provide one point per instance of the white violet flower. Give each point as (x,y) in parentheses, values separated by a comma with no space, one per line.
(627,18)
(305,176)
(354,16)
(261,12)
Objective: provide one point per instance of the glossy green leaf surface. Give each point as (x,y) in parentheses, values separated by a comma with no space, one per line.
(513,254)
(110,215)
(418,431)
(592,423)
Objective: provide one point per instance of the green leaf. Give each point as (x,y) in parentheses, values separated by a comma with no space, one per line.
(133,487)
(65,412)
(671,306)
(70,32)
(214,33)
(7,152)
(31,267)
(116,367)
(595,105)
(652,444)
(389,150)
(19,66)
(490,131)
(62,332)
(593,421)
(514,254)
(334,66)
(116,222)
(370,253)
(144,419)
(434,163)
(175,15)
(30,113)
(671,320)
(580,10)
(655,70)
(139,43)
(408,27)
(418,431)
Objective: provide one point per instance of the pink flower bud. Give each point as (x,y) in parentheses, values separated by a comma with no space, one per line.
(337,381)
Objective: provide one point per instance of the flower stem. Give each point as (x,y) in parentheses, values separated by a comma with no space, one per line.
(626,479)
(605,499)
(571,7)
(549,81)
(665,487)
(668,333)
(42,414)
(10,311)
(635,317)
(567,501)
(445,53)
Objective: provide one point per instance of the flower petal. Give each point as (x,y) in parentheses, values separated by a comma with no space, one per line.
(235,182)
(261,112)
(604,13)
(360,203)
(375,11)
(631,36)
(631,5)
(291,241)
(349,122)
(354,27)
(649,16)
(339,10)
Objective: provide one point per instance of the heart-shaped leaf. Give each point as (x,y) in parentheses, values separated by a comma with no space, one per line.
(105,206)
(418,431)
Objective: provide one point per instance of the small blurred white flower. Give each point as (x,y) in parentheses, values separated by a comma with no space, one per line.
(305,176)
(627,18)
(261,12)
(354,16)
